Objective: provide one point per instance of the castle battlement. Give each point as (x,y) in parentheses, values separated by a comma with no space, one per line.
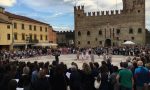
(63,32)
(97,13)
(79,7)
(104,13)
(132,6)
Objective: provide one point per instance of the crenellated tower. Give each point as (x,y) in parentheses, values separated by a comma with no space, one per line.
(134,6)
(79,11)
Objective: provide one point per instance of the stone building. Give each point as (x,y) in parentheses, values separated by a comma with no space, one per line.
(111,28)
(52,35)
(65,38)
(18,31)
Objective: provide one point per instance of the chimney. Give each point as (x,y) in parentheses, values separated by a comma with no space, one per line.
(2,10)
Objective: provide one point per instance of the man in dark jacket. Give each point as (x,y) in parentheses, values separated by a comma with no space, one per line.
(56,54)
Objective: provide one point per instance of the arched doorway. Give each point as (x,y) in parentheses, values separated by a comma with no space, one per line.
(107,43)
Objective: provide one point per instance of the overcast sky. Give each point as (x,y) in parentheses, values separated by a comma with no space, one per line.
(59,13)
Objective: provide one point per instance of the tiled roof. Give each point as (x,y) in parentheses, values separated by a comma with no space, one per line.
(4,21)
(14,16)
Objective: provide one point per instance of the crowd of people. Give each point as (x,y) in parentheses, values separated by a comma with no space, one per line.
(19,54)
(132,74)
(83,52)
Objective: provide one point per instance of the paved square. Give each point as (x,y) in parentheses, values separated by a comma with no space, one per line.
(68,58)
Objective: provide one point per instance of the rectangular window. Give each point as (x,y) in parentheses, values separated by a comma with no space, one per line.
(15,36)
(22,26)
(40,28)
(130,31)
(34,28)
(15,25)
(46,29)
(30,27)
(30,36)
(8,36)
(41,37)
(8,26)
(23,36)
(140,30)
(46,37)
(35,37)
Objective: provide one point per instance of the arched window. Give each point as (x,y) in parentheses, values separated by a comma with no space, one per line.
(118,31)
(79,33)
(88,33)
(95,39)
(100,42)
(100,32)
(78,42)
(132,38)
(88,42)
(130,31)
(139,30)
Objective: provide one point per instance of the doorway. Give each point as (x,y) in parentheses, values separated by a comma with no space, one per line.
(107,43)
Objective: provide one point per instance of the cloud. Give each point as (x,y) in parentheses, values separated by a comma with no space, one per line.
(52,6)
(7,3)
(58,8)
(61,28)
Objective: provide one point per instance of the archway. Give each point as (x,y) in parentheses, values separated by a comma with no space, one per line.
(107,43)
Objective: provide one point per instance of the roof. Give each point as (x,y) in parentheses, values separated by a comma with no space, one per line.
(14,16)
(4,21)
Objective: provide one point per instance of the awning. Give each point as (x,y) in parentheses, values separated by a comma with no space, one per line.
(45,44)
(129,43)
(22,44)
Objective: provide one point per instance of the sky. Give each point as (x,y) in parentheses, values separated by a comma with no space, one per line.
(59,13)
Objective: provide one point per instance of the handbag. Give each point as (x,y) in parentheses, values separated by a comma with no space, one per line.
(97,81)
(97,84)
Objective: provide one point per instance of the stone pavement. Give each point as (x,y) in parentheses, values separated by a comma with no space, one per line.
(68,58)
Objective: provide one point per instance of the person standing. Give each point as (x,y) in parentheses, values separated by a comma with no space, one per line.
(125,78)
(78,54)
(104,57)
(92,55)
(56,54)
(87,80)
(141,76)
